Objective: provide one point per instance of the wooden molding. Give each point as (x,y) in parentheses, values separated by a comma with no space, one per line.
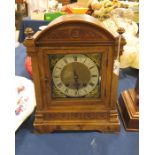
(129,109)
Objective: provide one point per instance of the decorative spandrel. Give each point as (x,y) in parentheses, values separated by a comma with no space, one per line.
(75,75)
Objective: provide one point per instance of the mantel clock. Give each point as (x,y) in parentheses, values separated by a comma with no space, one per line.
(75,86)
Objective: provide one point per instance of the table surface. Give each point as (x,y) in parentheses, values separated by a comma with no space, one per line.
(75,143)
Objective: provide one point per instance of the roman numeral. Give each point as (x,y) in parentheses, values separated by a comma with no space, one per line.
(58,68)
(91,84)
(66,91)
(56,77)
(59,84)
(85,60)
(65,61)
(91,67)
(76,92)
(75,58)
(94,76)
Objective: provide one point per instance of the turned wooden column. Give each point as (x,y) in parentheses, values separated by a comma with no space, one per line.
(129,108)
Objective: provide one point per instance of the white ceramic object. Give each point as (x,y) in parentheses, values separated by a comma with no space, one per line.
(42,27)
(25,100)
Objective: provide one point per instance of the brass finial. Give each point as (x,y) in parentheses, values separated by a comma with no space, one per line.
(29,33)
(121,30)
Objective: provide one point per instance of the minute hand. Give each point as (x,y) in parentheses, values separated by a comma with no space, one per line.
(76,78)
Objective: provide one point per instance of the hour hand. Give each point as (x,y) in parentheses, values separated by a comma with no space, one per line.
(76,77)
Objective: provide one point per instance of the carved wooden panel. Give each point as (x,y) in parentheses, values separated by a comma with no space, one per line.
(76,116)
(72,33)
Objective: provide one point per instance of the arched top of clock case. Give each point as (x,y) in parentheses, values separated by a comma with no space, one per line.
(74,29)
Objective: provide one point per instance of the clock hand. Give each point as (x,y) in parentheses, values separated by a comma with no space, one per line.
(75,75)
(76,78)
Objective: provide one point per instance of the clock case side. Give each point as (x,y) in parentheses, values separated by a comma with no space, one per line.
(31,51)
(115,80)
(42,125)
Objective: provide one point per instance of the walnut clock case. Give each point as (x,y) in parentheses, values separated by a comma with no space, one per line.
(72,62)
